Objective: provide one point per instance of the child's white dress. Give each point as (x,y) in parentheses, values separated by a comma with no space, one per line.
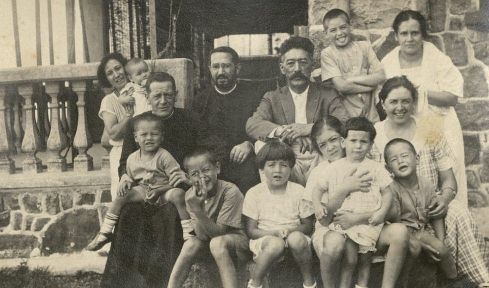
(357,202)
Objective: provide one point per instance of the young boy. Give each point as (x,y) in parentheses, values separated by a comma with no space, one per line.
(351,65)
(215,210)
(147,178)
(277,217)
(138,72)
(328,189)
(413,195)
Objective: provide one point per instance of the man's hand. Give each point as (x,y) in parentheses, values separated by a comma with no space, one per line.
(177,176)
(438,209)
(306,144)
(240,152)
(195,198)
(358,181)
(289,133)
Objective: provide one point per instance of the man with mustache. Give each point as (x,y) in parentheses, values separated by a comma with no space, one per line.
(224,107)
(288,113)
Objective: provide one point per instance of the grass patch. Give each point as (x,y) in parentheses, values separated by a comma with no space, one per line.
(23,277)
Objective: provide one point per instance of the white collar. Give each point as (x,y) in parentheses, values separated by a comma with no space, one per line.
(227,92)
(295,95)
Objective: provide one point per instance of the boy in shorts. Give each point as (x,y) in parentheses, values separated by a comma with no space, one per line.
(215,210)
(147,178)
(413,195)
(277,217)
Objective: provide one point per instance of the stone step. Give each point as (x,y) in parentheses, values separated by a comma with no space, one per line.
(17,245)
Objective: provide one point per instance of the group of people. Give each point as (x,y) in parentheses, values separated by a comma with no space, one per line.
(308,167)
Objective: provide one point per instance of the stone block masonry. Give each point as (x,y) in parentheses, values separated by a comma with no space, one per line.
(56,214)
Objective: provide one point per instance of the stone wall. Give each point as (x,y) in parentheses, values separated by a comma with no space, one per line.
(52,213)
(469,51)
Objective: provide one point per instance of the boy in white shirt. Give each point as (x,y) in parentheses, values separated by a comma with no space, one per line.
(277,217)
(138,72)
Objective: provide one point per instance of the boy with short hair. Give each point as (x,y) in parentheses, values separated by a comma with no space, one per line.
(215,210)
(351,65)
(277,217)
(413,195)
(147,178)
(328,189)
(138,72)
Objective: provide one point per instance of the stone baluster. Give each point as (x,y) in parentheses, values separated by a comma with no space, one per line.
(63,108)
(19,121)
(82,141)
(7,165)
(57,139)
(30,143)
(9,117)
(41,108)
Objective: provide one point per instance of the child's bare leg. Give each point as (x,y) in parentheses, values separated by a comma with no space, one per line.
(111,218)
(395,238)
(364,264)
(190,250)
(414,251)
(350,257)
(222,247)
(447,264)
(272,248)
(332,251)
(301,250)
(176,196)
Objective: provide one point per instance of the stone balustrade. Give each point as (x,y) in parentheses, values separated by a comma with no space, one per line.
(54,184)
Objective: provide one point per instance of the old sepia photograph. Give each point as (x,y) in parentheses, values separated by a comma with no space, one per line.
(244,143)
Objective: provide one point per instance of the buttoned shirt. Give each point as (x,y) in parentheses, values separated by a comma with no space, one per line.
(300,101)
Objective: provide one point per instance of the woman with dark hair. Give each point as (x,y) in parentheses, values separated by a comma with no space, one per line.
(435,160)
(116,109)
(438,82)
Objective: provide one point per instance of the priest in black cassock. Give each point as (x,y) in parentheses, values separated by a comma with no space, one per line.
(225,107)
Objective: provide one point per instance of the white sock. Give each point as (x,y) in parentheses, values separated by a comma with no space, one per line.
(358,286)
(312,286)
(187,228)
(253,286)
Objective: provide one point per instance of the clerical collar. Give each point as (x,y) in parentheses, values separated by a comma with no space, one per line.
(227,92)
(169,116)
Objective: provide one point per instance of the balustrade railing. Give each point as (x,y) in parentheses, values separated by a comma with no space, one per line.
(43,110)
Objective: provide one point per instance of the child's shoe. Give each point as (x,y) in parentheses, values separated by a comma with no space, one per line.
(99,241)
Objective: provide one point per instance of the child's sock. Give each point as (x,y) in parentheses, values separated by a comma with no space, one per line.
(109,223)
(187,229)
(253,286)
(312,286)
(358,286)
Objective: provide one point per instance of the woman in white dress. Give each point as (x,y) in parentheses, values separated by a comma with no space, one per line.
(438,82)
(116,109)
